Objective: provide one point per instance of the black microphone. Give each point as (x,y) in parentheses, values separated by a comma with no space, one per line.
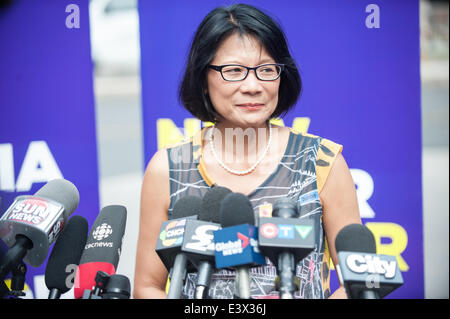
(209,212)
(102,249)
(198,242)
(110,287)
(66,254)
(236,209)
(170,240)
(33,223)
(118,287)
(363,273)
(286,239)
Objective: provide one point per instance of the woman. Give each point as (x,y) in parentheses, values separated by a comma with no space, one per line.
(239,75)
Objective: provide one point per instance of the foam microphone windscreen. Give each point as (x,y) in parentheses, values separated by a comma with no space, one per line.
(66,252)
(210,209)
(102,250)
(118,287)
(236,209)
(61,191)
(187,206)
(355,238)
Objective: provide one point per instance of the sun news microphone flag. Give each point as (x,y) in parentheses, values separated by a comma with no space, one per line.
(39,219)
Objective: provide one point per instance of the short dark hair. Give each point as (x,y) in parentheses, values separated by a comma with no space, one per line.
(216,27)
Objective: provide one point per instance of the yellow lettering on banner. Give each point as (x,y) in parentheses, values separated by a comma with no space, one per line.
(399,242)
(191,126)
(168,133)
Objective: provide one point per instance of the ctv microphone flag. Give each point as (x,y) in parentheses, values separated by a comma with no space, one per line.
(295,235)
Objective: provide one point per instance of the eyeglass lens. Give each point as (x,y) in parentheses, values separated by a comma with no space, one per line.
(264,72)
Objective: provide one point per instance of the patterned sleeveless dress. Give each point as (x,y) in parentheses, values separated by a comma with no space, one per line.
(300,175)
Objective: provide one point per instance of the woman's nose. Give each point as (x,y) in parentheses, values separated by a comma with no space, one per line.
(251,84)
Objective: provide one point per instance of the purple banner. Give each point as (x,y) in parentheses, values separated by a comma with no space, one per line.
(360,67)
(47,115)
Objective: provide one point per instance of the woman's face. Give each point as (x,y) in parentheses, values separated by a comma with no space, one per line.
(247,103)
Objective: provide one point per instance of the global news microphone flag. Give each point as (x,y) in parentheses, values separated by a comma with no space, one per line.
(47,119)
(360,67)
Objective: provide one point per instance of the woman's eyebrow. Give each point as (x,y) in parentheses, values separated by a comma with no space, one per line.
(263,61)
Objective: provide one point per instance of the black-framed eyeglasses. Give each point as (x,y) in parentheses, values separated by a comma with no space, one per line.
(236,72)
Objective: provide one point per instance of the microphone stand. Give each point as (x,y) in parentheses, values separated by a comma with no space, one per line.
(369,294)
(14,255)
(18,280)
(18,272)
(243,282)
(286,268)
(12,262)
(105,290)
(178,273)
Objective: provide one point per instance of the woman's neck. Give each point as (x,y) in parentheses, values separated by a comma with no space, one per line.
(238,144)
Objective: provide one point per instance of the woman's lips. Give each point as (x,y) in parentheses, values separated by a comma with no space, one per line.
(250,106)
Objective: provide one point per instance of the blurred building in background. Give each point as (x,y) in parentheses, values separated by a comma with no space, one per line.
(434,38)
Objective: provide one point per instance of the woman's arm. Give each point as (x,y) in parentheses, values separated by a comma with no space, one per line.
(340,207)
(150,274)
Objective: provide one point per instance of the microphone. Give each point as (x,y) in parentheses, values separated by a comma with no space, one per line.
(198,243)
(170,240)
(118,287)
(102,250)
(236,244)
(65,254)
(363,273)
(286,239)
(109,287)
(210,210)
(32,223)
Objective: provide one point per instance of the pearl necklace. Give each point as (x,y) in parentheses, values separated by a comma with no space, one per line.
(232,171)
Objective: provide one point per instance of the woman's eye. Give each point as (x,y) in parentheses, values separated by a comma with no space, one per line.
(267,70)
(235,70)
